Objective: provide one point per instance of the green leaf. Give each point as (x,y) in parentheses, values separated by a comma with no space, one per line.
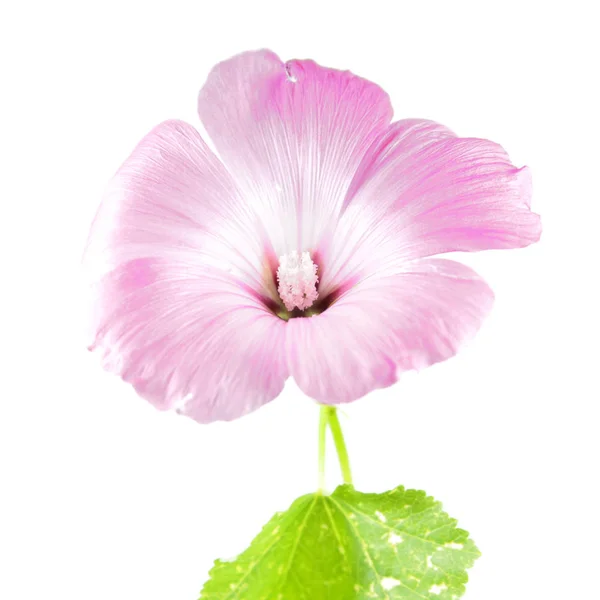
(351,546)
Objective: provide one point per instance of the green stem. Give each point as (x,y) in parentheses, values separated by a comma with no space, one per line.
(340,444)
(323,418)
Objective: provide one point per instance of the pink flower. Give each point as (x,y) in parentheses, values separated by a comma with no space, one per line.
(305,252)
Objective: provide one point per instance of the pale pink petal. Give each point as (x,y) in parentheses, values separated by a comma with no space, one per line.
(420,191)
(293,136)
(173,197)
(189,338)
(386,325)
(180,299)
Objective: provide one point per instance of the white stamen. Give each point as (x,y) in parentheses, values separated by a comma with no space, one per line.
(297,277)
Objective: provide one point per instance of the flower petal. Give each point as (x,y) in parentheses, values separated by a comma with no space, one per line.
(293,136)
(173,197)
(180,302)
(386,325)
(420,191)
(188,338)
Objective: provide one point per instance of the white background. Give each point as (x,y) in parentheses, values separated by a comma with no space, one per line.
(102,497)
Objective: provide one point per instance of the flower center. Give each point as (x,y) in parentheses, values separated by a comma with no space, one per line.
(297,278)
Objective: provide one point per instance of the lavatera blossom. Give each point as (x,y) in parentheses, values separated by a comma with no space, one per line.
(306,249)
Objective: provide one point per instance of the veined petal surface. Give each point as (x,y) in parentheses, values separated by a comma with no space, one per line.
(421,191)
(384,325)
(293,136)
